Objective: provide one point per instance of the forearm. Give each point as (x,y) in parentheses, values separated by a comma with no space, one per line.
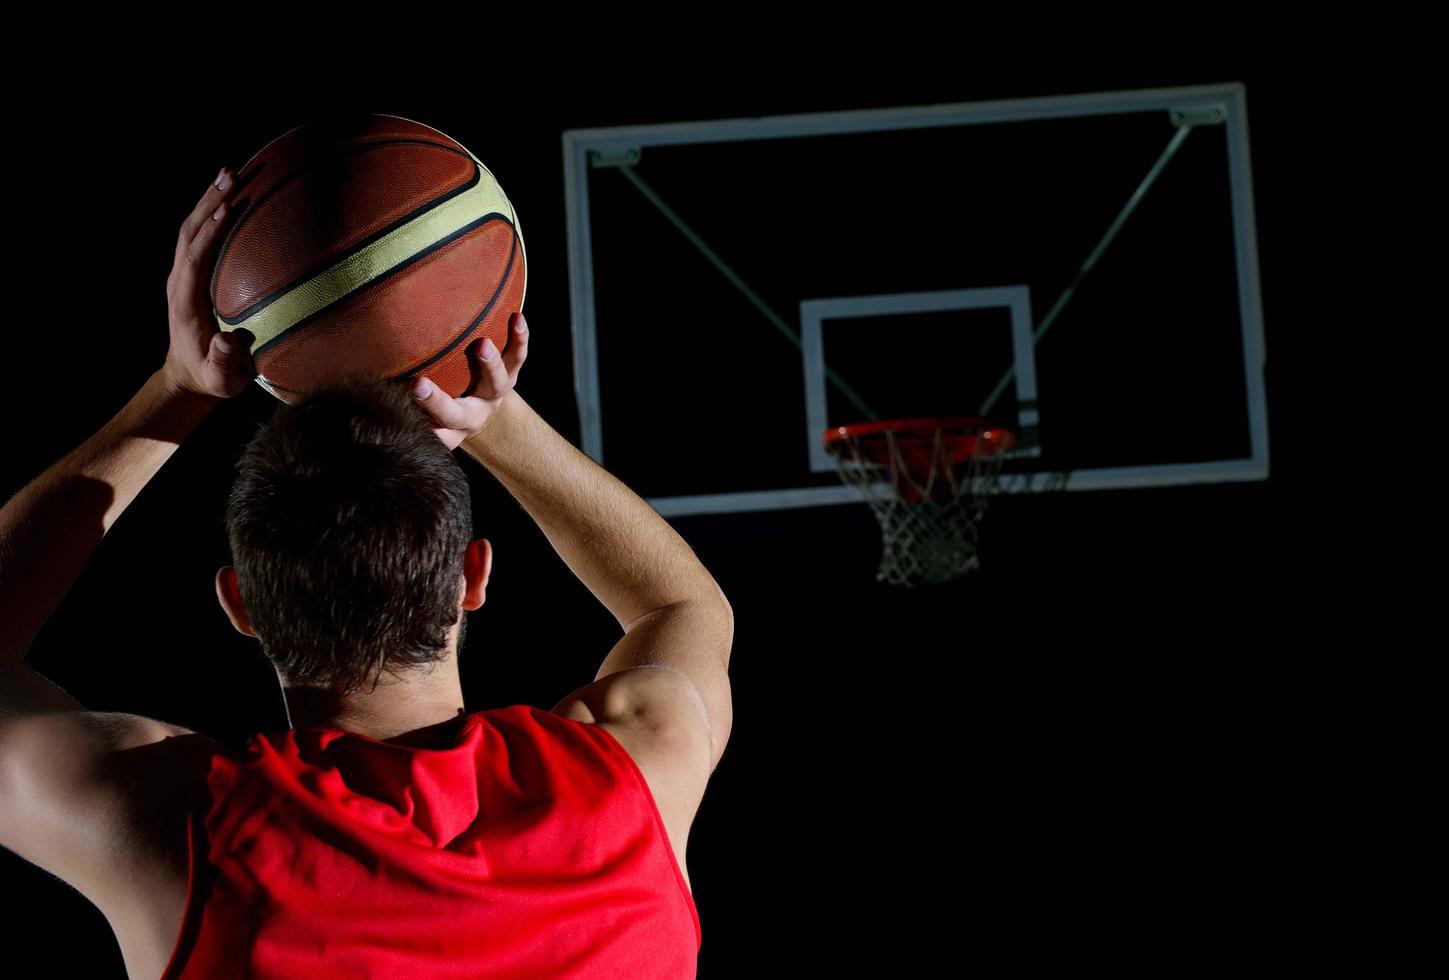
(50,529)
(618,546)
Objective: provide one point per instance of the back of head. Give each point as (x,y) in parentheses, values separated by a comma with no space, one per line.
(348,522)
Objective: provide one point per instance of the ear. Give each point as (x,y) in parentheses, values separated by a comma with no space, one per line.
(229,595)
(477,566)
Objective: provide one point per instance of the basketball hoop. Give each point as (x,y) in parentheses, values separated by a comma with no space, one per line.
(941,471)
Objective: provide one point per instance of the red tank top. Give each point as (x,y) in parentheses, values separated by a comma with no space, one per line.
(530,848)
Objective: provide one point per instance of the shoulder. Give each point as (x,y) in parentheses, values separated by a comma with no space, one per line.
(667,750)
(89,795)
(654,710)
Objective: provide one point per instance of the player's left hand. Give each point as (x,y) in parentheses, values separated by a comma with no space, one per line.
(203,359)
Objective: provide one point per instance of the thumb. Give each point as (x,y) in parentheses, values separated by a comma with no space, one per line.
(229,366)
(231,349)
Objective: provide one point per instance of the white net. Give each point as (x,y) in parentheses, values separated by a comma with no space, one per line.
(929,529)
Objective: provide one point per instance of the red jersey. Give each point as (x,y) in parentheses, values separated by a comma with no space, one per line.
(531,848)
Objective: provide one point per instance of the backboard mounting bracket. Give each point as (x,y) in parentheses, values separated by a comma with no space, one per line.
(618,157)
(1199,115)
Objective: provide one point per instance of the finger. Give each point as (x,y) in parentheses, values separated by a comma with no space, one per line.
(199,234)
(219,191)
(199,251)
(439,404)
(236,350)
(495,379)
(231,351)
(517,350)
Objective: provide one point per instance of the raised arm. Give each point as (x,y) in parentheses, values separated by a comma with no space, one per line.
(673,612)
(618,546)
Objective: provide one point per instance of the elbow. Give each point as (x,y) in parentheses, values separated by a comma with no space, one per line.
(725,616)
(729,627)
(723,601)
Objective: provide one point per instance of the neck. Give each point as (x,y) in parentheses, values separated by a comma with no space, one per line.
(423,707)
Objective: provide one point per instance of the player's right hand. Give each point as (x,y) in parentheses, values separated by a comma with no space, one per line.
(459,419)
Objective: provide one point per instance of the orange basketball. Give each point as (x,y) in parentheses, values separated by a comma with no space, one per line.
(368,244)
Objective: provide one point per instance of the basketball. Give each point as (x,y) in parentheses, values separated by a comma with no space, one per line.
(368,244)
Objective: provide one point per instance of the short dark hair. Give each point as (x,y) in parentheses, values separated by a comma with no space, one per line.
(349,522)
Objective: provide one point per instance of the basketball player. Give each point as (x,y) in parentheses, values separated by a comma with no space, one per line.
(388,832)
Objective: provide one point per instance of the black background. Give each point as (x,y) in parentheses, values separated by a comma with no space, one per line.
(1084,756)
